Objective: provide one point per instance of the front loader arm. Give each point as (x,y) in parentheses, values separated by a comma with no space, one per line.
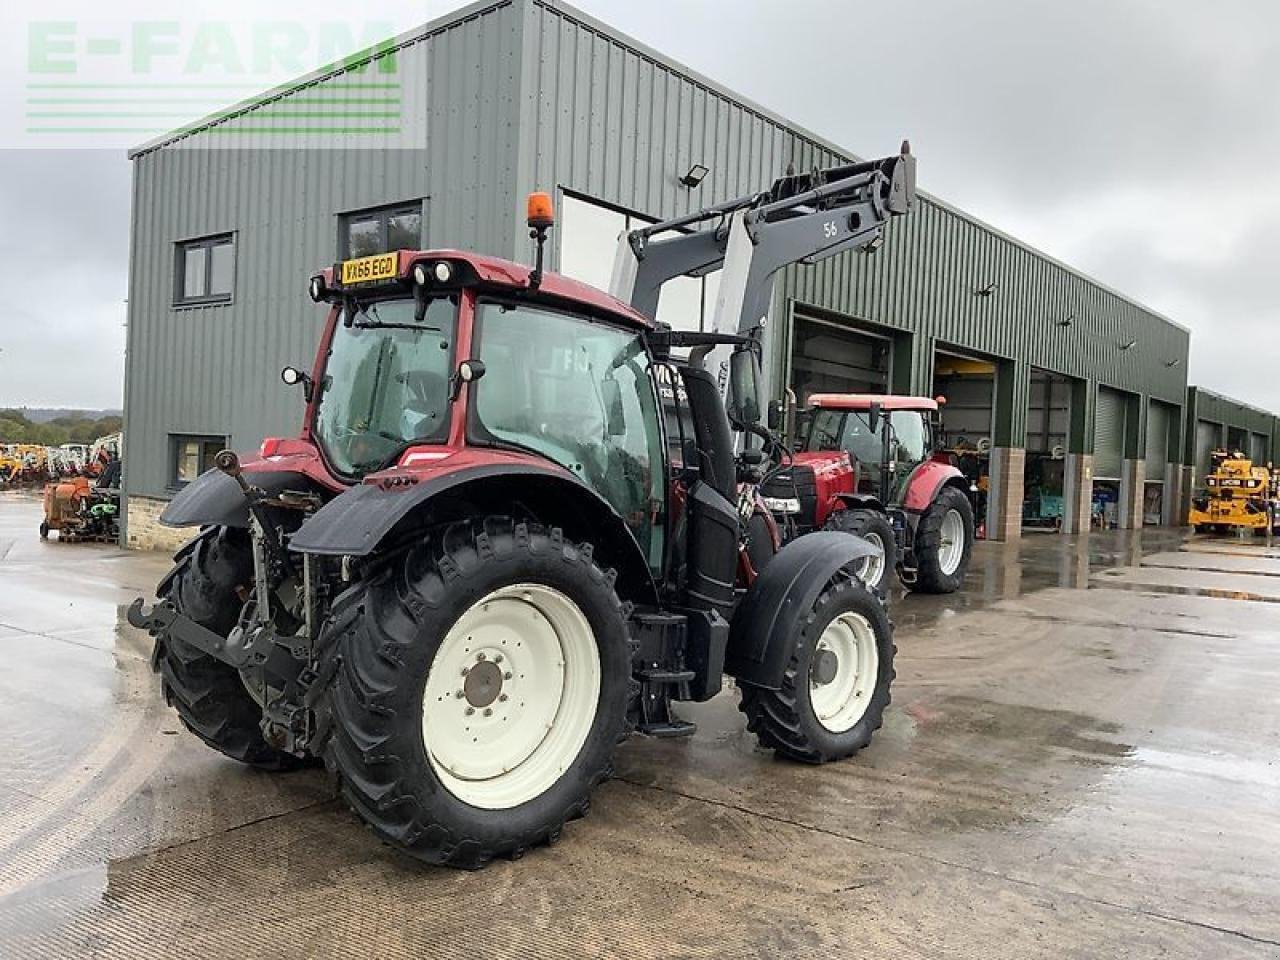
(800,219)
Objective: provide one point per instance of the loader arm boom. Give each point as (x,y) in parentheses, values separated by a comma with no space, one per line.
(801,219)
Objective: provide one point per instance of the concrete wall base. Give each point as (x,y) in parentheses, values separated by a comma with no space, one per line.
(1133,479)
(1004,499)
(143,528)
(1077,475)
(1185,493)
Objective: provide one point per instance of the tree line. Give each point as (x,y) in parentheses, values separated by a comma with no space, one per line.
(72,428)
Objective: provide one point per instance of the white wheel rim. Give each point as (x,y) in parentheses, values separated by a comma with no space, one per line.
(951,547)
(840,702)
(511,696)
(870,569)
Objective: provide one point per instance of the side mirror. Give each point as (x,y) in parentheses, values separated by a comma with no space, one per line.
(744,394)
(615,416)
(292,376)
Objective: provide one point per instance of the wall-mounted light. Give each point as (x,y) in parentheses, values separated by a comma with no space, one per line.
(988,290)
(697,173)
(1172,363)
(1067,321)
(1128,344)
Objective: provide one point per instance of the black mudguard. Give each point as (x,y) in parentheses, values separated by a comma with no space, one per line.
(765,622)
(355,522)
(214,498)
(861,501)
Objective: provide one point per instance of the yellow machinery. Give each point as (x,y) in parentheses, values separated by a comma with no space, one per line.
(1237,495)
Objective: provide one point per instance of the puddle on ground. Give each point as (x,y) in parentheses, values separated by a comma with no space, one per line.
(1028,726)
(1156,589)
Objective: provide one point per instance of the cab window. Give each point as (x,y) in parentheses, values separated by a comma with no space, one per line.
(579,393)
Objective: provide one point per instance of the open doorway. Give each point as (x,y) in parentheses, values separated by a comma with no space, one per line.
(1048,422)
(830,357)
(968,418)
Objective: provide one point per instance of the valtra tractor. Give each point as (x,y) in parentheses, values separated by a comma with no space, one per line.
(869,465)
(489,555)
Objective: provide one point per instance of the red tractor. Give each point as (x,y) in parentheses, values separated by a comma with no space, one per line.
(488,555)
(868,465)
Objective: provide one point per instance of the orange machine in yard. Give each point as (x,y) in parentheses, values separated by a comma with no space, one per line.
(80,510)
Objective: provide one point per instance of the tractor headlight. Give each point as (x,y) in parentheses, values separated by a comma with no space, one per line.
(316,288)
(420,276)
(783,505)
(443,271)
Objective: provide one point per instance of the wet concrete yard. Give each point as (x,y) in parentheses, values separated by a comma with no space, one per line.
(1081,761)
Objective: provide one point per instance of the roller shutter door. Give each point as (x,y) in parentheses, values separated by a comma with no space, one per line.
(1158,420)
(1206,442)
(1108,442)
(1258,448)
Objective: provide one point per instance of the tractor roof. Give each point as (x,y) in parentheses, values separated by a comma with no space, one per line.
(863,401)
(497,272)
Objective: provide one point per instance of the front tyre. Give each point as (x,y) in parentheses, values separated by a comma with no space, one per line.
(874,527)
(944,543)
(484,686)
(837,684)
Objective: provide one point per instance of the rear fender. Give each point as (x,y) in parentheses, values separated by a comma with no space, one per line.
(763,631)
(926,481)
(356,523)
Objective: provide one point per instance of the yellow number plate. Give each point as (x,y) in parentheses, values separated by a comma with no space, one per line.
(385,266)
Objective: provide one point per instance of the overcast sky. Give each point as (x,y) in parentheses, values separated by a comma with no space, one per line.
(1137,140)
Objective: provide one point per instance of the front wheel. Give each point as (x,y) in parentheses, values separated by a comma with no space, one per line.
(873,526)
(837,684)
(944,543)
(483,688)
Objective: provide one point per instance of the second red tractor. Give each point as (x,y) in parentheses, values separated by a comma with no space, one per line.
(868,465)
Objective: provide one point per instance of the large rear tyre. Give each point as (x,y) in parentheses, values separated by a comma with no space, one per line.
(874,527)
(944,543)
(483,689)
(837,684)
(209,696)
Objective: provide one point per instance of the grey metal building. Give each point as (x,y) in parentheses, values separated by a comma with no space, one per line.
(1066,398)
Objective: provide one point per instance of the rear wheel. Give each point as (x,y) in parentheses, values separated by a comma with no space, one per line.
(837,684)
(483,688)
(44,530)
(944,543)
(211,699)
(874,527)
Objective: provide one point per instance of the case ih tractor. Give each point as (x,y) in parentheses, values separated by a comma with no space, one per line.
(868,466)
(488,556)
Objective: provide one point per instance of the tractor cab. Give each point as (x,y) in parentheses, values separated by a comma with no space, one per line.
(885,437)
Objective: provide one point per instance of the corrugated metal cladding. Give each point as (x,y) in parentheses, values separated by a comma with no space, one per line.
(1160,421)
(1230,416)
(621,125)
(215,369)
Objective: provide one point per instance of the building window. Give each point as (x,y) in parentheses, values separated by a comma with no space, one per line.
(368,232)
(206,270)
(192,456)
